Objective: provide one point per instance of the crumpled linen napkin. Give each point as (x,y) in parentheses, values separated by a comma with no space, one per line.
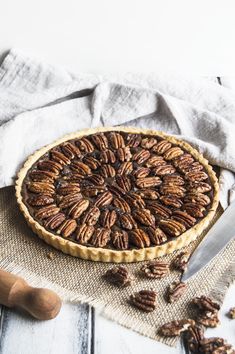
(40,103)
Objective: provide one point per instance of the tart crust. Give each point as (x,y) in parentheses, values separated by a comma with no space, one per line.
(110,255)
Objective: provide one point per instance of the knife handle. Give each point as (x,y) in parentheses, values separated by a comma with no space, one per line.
(41,303)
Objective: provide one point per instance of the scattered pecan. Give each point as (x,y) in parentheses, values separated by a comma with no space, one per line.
(145,300)
(40,200)
(194,336)
(104,199)
(107,156)
(208,319)
(196,176)
(91,216)
(141,156)
(155,269)
(78,208)
(120,239)
(119,276)
(193,209)
(81,168)
(69,200)
(42,176)
(215,345)
(135,200)
(172,190)
(85,145)
(148,194)
(199,187)
(127,222)
(100,237)
(156,235)
(155,161)
(116,140)
(147,182)
(92,191)
(124,182)
(198,198)
(108,218)
(205,303)
(142,172)
(133,140)
(97,180)
(49,165)
(125,168)
(70,188)
(181,261)
(46,211)
(161,147)
(164,170)
(232,313)
(172,227)
(124,154)
(107,171)
(54,221)
(139,238)
(175,328)
(171,201)
(70,150)
(59,157)
(184,218)
(175,291)
(41,187)
(148,143)
(67,228)
(100,141)
(172,153)
(91,162)
(144,216)
(121,204)
(175,180)
(158,209)
(84,233)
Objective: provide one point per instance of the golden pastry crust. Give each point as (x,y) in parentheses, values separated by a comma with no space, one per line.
(111,255)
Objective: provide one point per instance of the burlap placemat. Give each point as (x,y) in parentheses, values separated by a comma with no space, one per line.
(76,280)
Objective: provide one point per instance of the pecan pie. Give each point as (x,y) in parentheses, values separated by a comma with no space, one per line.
(117,194)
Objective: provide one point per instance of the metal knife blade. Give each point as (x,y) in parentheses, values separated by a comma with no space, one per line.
(216,239)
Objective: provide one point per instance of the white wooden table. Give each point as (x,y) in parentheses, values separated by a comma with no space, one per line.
(104,37)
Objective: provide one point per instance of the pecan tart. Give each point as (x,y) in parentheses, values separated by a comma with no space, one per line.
(117,194)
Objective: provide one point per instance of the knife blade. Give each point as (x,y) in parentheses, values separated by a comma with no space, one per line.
(214,242)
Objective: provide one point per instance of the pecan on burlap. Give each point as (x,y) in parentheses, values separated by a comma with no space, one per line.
(175,291)
(119,276)
(181,261)
(208,319)
(145,300)
(175,328)
(193,337)
(205,303)
(155,269)
(215,345)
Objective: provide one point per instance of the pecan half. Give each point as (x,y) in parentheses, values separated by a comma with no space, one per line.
(161,147)
(175,328)
(120,239)
(100,237)
(97,180)
(41,187)
(147,182)
(60,157)
(80,167)
(172,153)
(40,200)
(119,276)
(54,221)
(181,261)
(208,319)
(70,188)
(194,336)
(172,227)
(175,291)
(174,180)
(67,228)
(159,210)
(145,300)
(133,140)
(42,176)
(183,162)
(91,162)
(46,211)
(148,194)
(121,204)
(215,345)
(171,201)
(116,190)
(125,168)
(135,200)
(108,218)
(70,150)
(184,218)
(204,303)
(91,216)
(199,187)
(164,170)
(100,141)
(155,161)
(85,145)
(155,269)
(156,235)
(144,216)
(124,154)
(142,172)
(232,313)
(107,171)
(141,156)
(69,200)
(78,208)
(172,190)
(92,191)
(116,140)
(194,167)
(84,233)
(196,176)
(124,182)
(104,199)
(193,209)
(49,165)
(198,198)
(127,222)
(148,143)
(139,238)
(107,156)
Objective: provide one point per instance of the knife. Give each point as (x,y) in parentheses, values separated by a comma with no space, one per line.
(215,241)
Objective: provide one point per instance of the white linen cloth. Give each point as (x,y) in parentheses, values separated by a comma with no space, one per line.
(198,110)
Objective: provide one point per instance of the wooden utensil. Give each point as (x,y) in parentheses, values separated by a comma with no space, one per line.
(41,303)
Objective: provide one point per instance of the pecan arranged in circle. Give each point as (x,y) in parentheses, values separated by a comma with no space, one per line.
(78,208)
(100,237)
(199,187)
(196,176)
(193,209)
(139,238)
(83,233)
(173,190)
(161,147)
(171,201)
(91,216)
(60,158)
(107,171)
(125,168)
(46,211)
(42,176)
(145,300)
(107,156)
(100,141)
(121,204)
(135,200)
(91,162)
(108,218)
(159,210)
(127,222)
(103,199)
(141,156)
(40,200)
(155,269)
(120,239)
(54,221)
(119,276)
(144,216)
(116,140)
(133,140)
(155,161)
(71,188)
(124,182)
(148,143)
(67,228)
(197,198)
(156,235)
(41,187)
(150,194)
(49,165)
(184,218)
(163,170)
(147,182)
(175,180)
(69,200)
(124,154)
(172,153)
(81,168)
(172,227)
(85,145)
(70,150)
(142,172)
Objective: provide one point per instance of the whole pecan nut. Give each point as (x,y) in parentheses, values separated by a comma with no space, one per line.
(121,204)
(181,261)
(193,209)
(97,180)
(133,140)
(175,180)
(68,200)
(205,303)
(148,143)
(155,161)
(40,200)
(124,154)
(158,209)
(85,145)
(92,191)
(141,156)
(194,336)
(127,222)
(70,150)
(124,182)
(100,141)
(199,187)
(171,201)
(148,194)
(91,162)
(142,172)
(41,187)
(60,158)
(107,171)
(197,198)
(49,165)
(42,176)
(107,156)
(184,218)
(54,221)
(80,167)
(145,300)
(135,200)
(163,170)
(125,168)
(172,190)
(196,176)
(172,153)
(70,188)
